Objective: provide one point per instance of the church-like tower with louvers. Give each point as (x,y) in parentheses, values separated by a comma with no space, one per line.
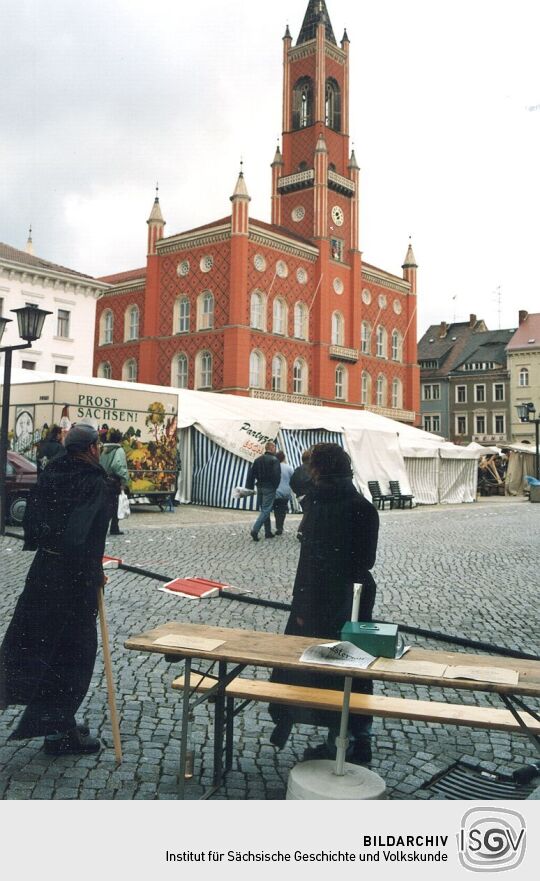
(287,309)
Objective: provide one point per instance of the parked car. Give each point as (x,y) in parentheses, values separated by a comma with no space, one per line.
(21,477)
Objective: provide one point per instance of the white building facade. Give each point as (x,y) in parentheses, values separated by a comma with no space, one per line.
(67,341)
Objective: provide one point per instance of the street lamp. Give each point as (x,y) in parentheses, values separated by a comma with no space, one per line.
(524,415)
(30,320)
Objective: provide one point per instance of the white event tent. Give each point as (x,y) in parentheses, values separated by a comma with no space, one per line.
(219,435)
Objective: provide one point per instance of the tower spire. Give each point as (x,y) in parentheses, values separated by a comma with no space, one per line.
(316,14)
(156,224)
(29,244)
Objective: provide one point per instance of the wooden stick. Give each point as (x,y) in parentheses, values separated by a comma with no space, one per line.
(108,675)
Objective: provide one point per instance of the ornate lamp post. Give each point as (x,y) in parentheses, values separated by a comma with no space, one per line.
(524,415)
(30,320)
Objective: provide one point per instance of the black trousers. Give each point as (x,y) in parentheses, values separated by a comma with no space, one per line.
(280,512)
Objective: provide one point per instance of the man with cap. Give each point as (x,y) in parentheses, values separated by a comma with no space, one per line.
(48,654)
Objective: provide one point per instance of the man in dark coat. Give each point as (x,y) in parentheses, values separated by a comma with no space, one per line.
(49,448)
(339,543)
(266,473)
(48,654)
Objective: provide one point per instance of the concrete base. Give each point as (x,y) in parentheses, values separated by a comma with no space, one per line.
(317,780)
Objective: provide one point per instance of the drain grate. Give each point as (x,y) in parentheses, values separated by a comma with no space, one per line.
(462,782)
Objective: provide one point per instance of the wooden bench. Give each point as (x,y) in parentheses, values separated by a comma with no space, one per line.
(363,704)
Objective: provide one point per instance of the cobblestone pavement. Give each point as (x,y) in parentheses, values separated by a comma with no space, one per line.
(470,570)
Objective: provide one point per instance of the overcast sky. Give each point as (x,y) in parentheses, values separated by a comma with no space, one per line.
(102,99)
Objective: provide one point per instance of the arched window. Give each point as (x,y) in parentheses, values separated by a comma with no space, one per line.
(341,383)
(396,345)
(381,390)
(300,384)
(129,370)
(523,377)
(205,311)
(131,323)
(182,312)
(106,325)
(301,321)
(279,316)
(366,388)
(338,329)
(333,105)
(366,338)
(381,342)
(256,315)
(303,103)
(397,394)
(203,370)
(279,374)
(179,371)
(256,370)
(105,370)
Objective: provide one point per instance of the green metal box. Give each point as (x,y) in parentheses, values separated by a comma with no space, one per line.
(380,639)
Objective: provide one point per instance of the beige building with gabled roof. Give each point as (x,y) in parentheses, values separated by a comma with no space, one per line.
(523,353)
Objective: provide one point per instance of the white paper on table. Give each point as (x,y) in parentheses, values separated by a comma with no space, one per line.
(337,654)
(177,641)
(483,674)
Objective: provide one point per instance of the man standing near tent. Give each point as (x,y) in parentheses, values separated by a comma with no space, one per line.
(266,473)
(48,654)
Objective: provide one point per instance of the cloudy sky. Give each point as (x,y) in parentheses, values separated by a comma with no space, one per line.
(103,99)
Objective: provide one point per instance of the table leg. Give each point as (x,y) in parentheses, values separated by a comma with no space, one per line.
(510,702)
(229,734)
(185,729)
(219,723)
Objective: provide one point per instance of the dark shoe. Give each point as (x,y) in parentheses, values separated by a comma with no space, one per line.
(115,533)
(279,532)
(269,535)
(360,752)
(254,536)
(72,743)
(83,729)
(322,751)
(280,734)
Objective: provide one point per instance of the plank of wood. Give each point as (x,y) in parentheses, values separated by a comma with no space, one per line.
(363,704)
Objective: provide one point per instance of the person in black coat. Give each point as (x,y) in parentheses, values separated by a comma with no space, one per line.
(266,473)
(49,448)
(49,650)
(338,549)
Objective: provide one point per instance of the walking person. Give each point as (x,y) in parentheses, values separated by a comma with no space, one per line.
(49,650)
(49,448)
(266,474)
(338,549)
(283,492)
(113,461)
(301,482)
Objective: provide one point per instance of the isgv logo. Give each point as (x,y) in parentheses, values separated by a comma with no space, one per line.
(491,839)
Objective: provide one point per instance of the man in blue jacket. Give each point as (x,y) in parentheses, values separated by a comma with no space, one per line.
(266,473)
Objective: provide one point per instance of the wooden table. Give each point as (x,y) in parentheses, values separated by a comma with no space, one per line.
(261,649)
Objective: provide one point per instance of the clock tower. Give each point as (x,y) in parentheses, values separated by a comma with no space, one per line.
(315,180)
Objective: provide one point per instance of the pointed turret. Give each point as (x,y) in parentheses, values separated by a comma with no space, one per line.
(240,207)
(345,38)
(410,261)
(29,244)
(316,14)
(353,164)
(156,224)
(277,170)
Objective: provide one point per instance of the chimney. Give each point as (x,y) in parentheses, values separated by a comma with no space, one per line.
(444,330)
(472,320)
(523,315)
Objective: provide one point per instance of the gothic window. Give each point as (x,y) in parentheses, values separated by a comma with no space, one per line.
(256,317)
(129,370)
(341,383)
(256,370)
(205,309)
(105,370)
(179,371)
(280,316)
(182,311)
(523,377)
(336,249)
(279,374)
(333,105)
(366,388)
(396,346)
(381,390)
(106,325)
(397,394)
(303,103)
(366,338)
(381,342)
(131,323)
(203,370)
(301,321)
(300,385)
(338,331)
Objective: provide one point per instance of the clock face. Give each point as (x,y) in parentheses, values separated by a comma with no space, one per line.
(337,215)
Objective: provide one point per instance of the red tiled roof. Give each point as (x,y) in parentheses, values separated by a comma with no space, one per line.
(527,330)
(7,252)
(121,277)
